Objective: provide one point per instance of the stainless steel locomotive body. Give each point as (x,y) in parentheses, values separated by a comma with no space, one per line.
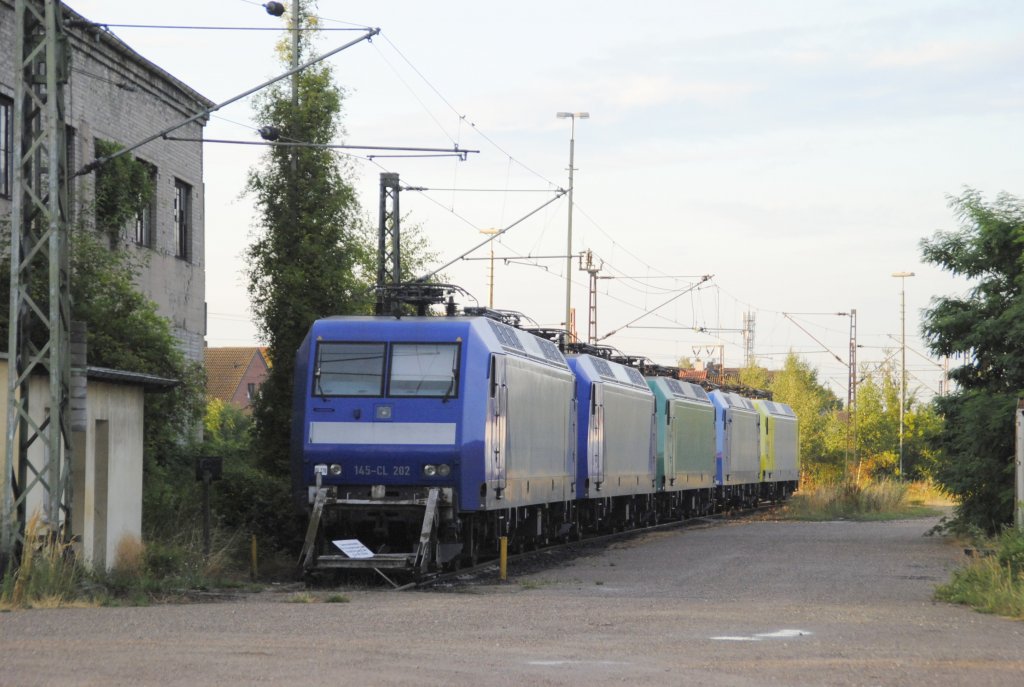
(780,450)
(737,448)
(686,446)
(460,414)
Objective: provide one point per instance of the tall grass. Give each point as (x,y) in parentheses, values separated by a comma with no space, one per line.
(848,499)
(991,584)
(48,575)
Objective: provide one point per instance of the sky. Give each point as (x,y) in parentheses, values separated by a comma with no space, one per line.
(797,150)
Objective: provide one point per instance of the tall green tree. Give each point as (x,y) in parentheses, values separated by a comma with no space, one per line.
(985,329)
(302,263)
(797,385)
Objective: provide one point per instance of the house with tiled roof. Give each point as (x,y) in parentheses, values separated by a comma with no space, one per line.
(235,373)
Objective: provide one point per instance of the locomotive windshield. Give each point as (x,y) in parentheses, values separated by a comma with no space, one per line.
(350,369)
(424,369)
(358,369)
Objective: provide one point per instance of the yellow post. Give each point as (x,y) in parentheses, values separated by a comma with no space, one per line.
(503,559)
(253,568)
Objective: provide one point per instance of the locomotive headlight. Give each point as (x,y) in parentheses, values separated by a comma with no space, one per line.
(444,470)
(429,470)
(335,470)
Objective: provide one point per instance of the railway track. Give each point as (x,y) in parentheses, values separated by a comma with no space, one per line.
(490,568)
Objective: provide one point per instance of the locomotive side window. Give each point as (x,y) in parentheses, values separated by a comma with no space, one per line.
(349,369)
(424,369)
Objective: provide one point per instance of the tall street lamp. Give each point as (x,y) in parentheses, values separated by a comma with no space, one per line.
(572,117)
(903,354)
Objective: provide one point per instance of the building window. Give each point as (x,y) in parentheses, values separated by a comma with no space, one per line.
(144,220)
(250,391)
(6,145)
(182,219)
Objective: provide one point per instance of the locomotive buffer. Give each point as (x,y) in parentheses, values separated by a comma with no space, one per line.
(419,561)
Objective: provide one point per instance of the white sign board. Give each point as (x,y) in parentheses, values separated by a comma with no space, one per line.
(353,548)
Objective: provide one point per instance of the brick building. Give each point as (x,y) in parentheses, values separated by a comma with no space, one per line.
(234,374)
(115,94)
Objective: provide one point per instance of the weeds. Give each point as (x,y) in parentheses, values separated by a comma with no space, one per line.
(49,573)
(850,500)
(336,599)
(992,583)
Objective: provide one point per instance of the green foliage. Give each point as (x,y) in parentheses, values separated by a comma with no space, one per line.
(797,386)
(992,584)
(977,448)
(124,187)
(303,260)
(754,377)
(985,329)
(251,499)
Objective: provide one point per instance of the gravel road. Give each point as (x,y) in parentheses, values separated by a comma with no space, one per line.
(735,603)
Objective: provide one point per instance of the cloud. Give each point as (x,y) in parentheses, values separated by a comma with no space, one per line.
(645,90)
(929,54)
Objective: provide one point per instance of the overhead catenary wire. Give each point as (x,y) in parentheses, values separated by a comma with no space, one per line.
(704,279)
(491,238)
(97,162)
(339,146)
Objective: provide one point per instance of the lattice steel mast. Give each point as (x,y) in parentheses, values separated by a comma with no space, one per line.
(39,327)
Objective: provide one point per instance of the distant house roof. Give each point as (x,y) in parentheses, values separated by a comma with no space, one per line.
(225,367)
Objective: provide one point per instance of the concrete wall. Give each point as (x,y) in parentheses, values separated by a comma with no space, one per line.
(115,95)
(106,471)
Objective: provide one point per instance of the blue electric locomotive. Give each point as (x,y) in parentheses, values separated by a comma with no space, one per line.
(418,442)
(616,472)
(737,449)
(422,437)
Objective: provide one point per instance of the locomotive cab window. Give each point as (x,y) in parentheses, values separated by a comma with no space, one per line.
(424,369)
(349,369)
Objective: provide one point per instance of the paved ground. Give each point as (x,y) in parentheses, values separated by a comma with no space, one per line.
(747,603)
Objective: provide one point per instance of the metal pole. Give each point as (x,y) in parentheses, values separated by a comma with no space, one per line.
(568,245)
(490,294)
(903,365)
(903,356)
(1018,510)
(572,116)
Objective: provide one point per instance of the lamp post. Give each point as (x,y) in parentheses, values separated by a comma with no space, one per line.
(902,276)
(572,117)
(490,299)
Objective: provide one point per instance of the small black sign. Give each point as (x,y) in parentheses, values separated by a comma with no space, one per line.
(214,465)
